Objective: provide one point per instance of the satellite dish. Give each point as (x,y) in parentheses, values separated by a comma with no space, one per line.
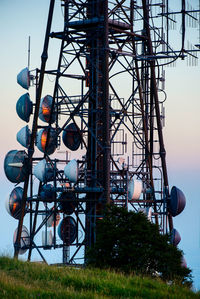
(134,189)
(14,167)
(67,202)
(175,237)
(14,202)
(71,137)
(23,78)
(42,139)
(24,241)
(43,171)
(47,238)
(47,193)
(67,230)
(24,136)
(177,201)
(71,171)
(24,107)
(45,109)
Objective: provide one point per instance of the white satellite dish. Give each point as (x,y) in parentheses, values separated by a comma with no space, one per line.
(134,189)
(15,166)
(71,171)
(24,136)
(24,107)
(23,78)
(25,239)
(43,171)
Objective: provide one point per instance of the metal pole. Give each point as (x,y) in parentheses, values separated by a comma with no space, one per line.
(34,126)
(157,108)
(106,106)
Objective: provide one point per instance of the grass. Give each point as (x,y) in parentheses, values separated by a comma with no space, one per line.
(32,280)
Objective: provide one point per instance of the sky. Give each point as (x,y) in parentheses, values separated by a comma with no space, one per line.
(21,18)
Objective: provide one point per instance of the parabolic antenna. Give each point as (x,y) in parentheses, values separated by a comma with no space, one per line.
(43,171)
(24,241)
(45,109)
(24,136)
(71,171)
(175,237)
(67,202)
(177,201)
(71,137)
(42,139)
(23,78)
(14,166)
(134,189)
(67,230)
(14,202)
(24,107)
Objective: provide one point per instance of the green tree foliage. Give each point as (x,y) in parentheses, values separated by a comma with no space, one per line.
(128,242)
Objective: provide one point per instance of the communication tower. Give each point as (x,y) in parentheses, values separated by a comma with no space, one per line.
(105,116)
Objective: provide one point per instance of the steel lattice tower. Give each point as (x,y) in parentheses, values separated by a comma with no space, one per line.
(113,54)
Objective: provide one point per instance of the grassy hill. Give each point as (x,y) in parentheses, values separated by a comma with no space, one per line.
(33,280)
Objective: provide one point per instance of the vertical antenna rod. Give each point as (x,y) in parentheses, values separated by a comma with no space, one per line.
(29,50)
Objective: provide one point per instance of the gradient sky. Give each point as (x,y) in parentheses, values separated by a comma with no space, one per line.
(21,18)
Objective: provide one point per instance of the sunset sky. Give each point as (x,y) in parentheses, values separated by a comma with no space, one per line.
(21,18)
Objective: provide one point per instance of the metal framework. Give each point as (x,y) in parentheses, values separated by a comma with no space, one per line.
(109,82)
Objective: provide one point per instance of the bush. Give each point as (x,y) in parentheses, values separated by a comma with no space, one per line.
(128,242)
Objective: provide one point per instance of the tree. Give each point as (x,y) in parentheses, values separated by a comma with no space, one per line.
(128,242)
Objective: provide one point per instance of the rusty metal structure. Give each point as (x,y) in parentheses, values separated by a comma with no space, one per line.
(107,104)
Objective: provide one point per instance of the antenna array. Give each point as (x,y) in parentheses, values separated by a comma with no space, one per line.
(106,114)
